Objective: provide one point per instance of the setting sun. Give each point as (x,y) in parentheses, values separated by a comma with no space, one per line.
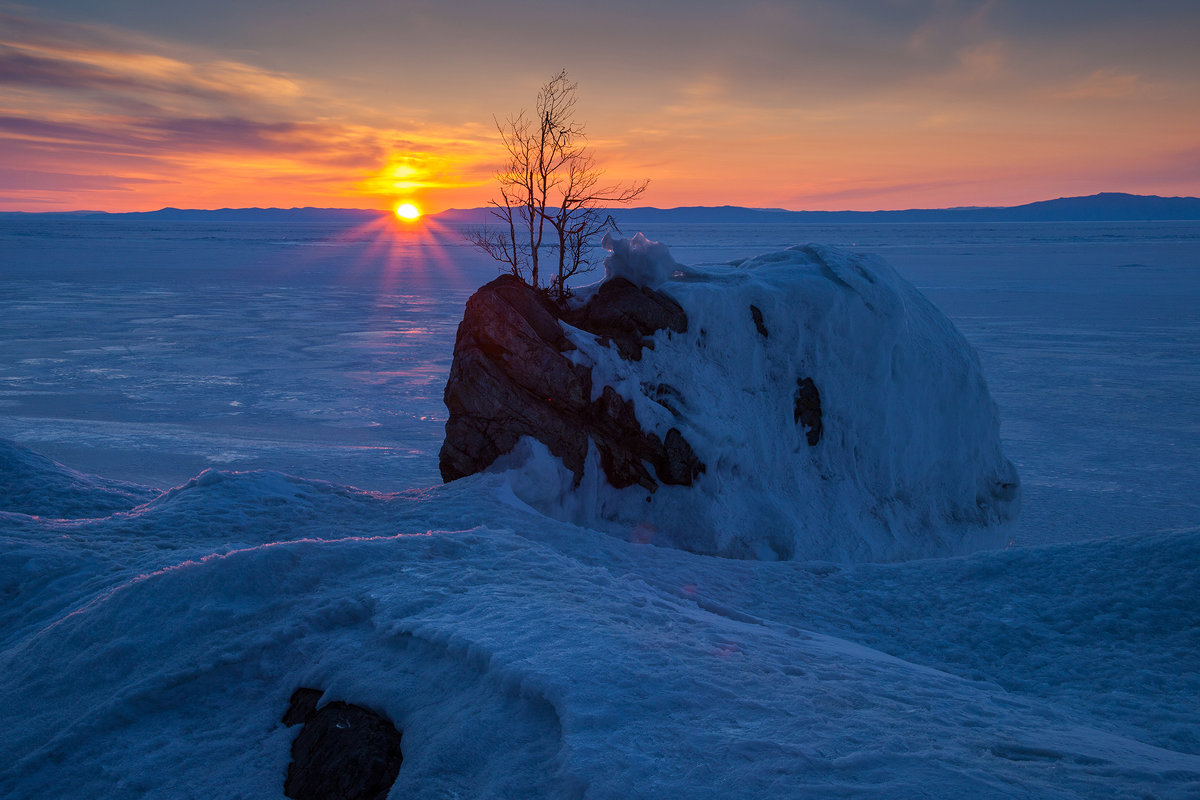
(408,211)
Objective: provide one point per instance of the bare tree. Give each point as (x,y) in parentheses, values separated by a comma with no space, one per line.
(580,214)
(550,179)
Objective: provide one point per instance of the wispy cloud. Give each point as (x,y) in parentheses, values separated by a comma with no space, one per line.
(874,190)
(67,57)
(63,181)
(89,110)
(1104,84)
(872,103)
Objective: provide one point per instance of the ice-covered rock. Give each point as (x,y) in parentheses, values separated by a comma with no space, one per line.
(838,414)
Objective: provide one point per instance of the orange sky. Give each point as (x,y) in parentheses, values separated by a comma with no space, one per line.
(802,105)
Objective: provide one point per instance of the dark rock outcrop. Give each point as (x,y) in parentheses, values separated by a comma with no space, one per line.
(757,315)
(680,466)
(302,706)
(806,409)
(510,378)
(627,315)
(343,752)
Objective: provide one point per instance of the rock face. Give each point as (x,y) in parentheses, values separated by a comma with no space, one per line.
(627,315)
(343,752)
(511,378)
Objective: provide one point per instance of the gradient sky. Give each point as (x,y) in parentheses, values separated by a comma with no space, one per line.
(137,104)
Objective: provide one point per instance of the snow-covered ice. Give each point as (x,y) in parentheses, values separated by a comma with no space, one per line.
(150,639)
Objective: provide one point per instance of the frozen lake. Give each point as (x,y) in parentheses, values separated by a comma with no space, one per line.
(151,639)
(150,351)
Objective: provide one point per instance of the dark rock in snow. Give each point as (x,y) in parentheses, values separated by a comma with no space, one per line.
(343,752)
(627,315)
(914,468)
(807,409)
(622,445)
(756,313)
(510,378)
(665,395)
(301,706)
(680,467)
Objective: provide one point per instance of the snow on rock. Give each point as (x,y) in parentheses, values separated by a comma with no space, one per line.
(639,260)
(512,376)
(838,413)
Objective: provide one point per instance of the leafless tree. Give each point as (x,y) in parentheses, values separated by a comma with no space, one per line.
(550,179)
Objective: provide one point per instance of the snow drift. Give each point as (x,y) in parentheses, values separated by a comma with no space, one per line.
(33,484)
(151,653)
(838,413)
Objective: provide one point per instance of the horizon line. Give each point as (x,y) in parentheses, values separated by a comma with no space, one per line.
(761,209)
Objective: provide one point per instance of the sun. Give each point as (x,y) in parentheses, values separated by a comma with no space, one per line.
(408,211)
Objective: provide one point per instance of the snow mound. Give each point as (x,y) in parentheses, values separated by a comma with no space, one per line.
(639,260)
(34,485)
(839,414)
(529,658)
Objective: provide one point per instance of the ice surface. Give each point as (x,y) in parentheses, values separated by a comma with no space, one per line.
(127,345)
(150,352)
(150,641)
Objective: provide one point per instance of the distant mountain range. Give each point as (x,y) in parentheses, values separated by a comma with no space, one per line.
(1106,207)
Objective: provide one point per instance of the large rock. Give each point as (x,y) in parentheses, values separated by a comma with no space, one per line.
(803,404)
(511,377)
(627,315)
(343,752)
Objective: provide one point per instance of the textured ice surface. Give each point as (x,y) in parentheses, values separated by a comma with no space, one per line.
(151,653)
